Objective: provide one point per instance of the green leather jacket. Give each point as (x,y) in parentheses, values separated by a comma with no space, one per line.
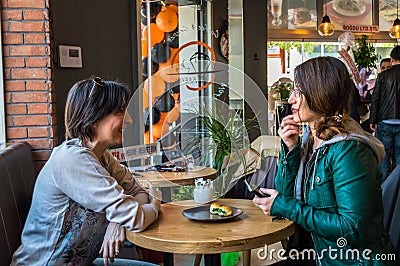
(340,200)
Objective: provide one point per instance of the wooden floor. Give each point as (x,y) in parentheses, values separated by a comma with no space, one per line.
(188,260)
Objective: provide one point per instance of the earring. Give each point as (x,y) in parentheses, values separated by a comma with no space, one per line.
(338,118)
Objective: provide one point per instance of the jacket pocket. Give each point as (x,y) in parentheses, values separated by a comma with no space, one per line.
(322,192)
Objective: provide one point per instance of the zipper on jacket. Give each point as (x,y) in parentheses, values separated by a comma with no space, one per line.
(306,176)
(314,170)
(309,164)
(284,162)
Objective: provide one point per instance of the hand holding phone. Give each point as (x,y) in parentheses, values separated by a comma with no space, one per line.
(255,189)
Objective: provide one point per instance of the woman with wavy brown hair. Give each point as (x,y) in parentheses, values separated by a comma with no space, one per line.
(328,181)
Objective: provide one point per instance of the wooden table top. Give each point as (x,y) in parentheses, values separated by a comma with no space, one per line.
(174,233)
(168,179)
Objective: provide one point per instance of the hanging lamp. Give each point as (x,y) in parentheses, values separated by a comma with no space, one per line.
(326,27)
(394,32)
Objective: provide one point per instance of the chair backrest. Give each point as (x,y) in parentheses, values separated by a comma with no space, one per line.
(390,194)
(17,177)
(264,168)
(263,177)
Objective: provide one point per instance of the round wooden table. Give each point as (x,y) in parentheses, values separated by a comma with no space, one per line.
(174,233)
(169,179)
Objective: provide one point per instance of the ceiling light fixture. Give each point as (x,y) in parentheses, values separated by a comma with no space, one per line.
(326,28)
(394,32)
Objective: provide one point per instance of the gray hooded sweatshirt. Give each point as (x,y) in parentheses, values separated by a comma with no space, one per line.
(355,133)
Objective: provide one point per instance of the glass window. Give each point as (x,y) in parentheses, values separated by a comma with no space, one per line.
(193,83)
(294,53)
(2,101)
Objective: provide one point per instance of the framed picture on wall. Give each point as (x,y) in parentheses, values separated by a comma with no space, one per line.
(277,14)
(387,14)
(356,12)
(293,14)
(302,14)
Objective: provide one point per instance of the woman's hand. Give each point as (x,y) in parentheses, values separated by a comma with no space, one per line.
(113,242)
(289,132)
(265,204)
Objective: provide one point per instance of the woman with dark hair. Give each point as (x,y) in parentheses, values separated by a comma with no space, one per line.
(83,198)
(329,181)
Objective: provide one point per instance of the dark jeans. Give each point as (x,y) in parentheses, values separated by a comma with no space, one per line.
(389,134)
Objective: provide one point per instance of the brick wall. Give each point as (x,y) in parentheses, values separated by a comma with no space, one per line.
(30,106)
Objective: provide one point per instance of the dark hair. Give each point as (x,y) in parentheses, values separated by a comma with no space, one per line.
(89,101)
(395,53)
(328,89)
(384,60)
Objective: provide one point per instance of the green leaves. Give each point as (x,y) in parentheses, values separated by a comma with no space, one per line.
(223,133)
(365,55)
(221,141)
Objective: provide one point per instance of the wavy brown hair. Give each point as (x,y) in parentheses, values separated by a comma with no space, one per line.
(328,90)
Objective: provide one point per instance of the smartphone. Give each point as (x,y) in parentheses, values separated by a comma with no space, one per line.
(255,189)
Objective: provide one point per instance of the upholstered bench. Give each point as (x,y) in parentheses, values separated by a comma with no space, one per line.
(17,179)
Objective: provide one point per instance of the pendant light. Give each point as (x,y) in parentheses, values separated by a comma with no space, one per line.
(326,28)
(394,32)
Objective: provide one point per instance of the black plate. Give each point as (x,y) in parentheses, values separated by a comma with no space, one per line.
(202,213)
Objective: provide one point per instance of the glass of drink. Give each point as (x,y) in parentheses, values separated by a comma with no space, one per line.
(276,10)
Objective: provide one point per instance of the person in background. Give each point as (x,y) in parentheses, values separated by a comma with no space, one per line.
(385,112)
(83,197)
(384,65)
(328,182)
(355,103)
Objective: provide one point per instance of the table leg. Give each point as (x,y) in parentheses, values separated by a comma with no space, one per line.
(197,260)
(212,259)
(168,259)
(166,194)
(247,257)
(284,243)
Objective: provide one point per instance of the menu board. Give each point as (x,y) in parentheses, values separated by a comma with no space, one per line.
(344,12)
(293,14)
(387,14)
(302,14)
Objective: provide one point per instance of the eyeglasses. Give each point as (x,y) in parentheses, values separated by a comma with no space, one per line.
(99,82)
(296,92)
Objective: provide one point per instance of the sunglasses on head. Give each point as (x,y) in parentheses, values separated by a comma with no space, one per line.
(97,81)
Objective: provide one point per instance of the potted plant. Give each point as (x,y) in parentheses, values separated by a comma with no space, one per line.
(223,143)
(284,89)
(365,55)
(281,90)
(365,58)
